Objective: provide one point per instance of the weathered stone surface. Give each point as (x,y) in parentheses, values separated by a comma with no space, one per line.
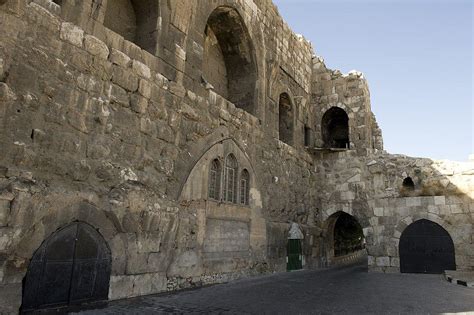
(119,58)
(135,128)
(72,34)
(96,47)
(141,69)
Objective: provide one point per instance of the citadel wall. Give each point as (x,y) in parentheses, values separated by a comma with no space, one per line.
(119,125)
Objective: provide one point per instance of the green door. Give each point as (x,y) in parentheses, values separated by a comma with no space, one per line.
(294,255)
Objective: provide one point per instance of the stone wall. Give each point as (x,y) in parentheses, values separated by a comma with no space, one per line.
(119,132)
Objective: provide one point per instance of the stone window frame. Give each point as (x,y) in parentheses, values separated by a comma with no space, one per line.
(231,167)
(215,175)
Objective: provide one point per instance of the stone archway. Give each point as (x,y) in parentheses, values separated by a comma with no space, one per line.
(426,247)
(343,237)
(229,63)
(71,267)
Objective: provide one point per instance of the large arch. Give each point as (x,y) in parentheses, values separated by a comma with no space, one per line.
(229,63)
(343,235)
(135,20)
(71,267)
(335,128)
(426,247)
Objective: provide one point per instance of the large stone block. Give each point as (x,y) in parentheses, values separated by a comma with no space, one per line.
(382,261)
(96,47)
(72,34)
(125,78)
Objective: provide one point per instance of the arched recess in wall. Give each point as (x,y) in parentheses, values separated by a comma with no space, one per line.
(71,267)
(135,20)
(343,235)
(235,170)
(229,58)
(426,247)
(335,128)
(285,119)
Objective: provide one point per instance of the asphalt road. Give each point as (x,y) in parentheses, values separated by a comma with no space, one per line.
(347,290)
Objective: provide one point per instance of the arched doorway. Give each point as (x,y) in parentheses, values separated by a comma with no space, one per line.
(294,248)
(426,247)
(71,267)
(229,58)
(335,128)
(348,235)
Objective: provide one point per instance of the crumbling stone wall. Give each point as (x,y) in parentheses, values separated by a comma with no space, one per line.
(120,133)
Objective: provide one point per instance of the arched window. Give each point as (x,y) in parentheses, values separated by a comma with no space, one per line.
(215,180)
(408,184)
(244,187)
(229,58)
(136,20)
(285,120)
(335,128)
(230,179)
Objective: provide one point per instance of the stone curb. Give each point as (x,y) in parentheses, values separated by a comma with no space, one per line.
(452,279)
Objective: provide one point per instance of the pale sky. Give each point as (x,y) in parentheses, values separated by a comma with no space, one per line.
(417,56)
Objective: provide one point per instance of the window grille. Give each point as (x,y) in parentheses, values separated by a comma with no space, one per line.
(215,180)
(231,179)
(244,187)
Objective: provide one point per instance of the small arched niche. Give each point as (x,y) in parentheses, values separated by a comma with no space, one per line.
(135,20)
(285,119)
(335,128)
(229,58)
(408,184)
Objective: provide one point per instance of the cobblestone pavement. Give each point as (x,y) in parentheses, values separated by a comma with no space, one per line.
(349,290)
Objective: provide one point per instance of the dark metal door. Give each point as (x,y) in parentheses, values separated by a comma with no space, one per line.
(425,247)
(71,267)
(294,251)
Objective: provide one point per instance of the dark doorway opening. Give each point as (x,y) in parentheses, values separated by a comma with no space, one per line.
(335,129)
(408,184)
(70,268)
(348,235)
(426,247)
(295,255)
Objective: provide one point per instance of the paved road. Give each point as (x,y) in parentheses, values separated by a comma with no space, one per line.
(349,290)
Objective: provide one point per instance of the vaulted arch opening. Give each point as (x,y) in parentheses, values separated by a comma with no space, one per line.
(135,20)
(285,119)
(348,235)
(426,247)
(335,128)
(408,184)
(70,268)
(229,58)
(344,239)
